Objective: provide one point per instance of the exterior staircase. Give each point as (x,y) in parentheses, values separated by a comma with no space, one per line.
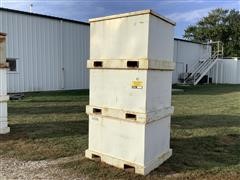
(202,67)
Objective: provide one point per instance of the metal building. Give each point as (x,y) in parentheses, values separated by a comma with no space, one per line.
(226,71)
(186,54)
(49,53)
(44,52)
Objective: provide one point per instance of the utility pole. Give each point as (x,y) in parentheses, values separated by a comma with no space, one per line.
(30,8)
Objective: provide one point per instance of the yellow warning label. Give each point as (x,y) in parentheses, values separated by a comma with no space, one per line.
(137,84)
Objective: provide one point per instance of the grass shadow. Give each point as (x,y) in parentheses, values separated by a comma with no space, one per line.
(188,154)
(58,93)
(205,121)
(46,130)
(40,141)
(202,153)
(46,109)
(54,96)
(211,89)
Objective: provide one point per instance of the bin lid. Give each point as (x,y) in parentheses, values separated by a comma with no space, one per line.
(135,13)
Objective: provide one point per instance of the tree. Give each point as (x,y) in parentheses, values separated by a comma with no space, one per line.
(220,25)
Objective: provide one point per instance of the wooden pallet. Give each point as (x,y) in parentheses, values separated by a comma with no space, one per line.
(4,130)
(4,98)
(143,64)
(126,165)
(130,116)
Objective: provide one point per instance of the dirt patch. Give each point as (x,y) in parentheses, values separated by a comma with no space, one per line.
(14,169)
(229,139)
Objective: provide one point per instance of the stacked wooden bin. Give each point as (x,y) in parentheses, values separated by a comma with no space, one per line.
(3,86)
(130,90)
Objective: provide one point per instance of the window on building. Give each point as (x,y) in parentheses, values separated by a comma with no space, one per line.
(12,64)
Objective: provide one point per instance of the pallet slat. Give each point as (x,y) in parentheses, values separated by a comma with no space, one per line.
(144,64)
(129,115)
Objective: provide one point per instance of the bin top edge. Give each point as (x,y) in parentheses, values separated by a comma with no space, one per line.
(135,13)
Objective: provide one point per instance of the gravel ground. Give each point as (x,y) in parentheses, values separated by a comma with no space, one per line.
(47,170)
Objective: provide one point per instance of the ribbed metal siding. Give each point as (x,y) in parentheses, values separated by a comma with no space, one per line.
(187,53)
(76,52)
(226,71)
(47,50)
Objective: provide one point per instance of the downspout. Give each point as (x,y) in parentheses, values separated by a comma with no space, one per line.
(62,54)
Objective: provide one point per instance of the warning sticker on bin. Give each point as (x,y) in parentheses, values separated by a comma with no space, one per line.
(137,84)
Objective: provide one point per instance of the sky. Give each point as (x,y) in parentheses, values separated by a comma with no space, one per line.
(183,12)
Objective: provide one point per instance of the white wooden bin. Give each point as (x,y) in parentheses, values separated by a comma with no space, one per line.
(3,81)
(129,144)
(2,48)
(141,34)
(3,86)
(136,91)
(130,90)
(4,115)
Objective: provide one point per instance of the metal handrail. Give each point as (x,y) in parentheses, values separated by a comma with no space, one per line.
(209,61)
(205,56)
(205,71)
(196,70)
(195,65)
(201,67)
(205,67)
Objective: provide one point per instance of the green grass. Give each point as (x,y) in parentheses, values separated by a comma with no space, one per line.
(205,135)
(47,125)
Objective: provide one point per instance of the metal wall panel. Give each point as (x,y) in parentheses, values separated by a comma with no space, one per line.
(52,53)
(226,71)
(76,40)
(45,48)
(186,54)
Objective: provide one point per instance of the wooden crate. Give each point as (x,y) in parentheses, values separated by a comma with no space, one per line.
(141,34)
(2,49)
(139,91)
(4,116)
(3,81)
(129,144)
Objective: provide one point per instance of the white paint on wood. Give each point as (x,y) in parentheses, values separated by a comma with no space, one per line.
(137,143)
(116,135)
(141,36)
(3,89)
(115,89)
(3,81)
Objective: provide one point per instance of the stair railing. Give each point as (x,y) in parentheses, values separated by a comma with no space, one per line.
(199,67)
(205,68)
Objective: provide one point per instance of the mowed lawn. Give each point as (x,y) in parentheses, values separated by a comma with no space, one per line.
(205,134)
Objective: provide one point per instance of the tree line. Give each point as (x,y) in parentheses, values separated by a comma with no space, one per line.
(220,25)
